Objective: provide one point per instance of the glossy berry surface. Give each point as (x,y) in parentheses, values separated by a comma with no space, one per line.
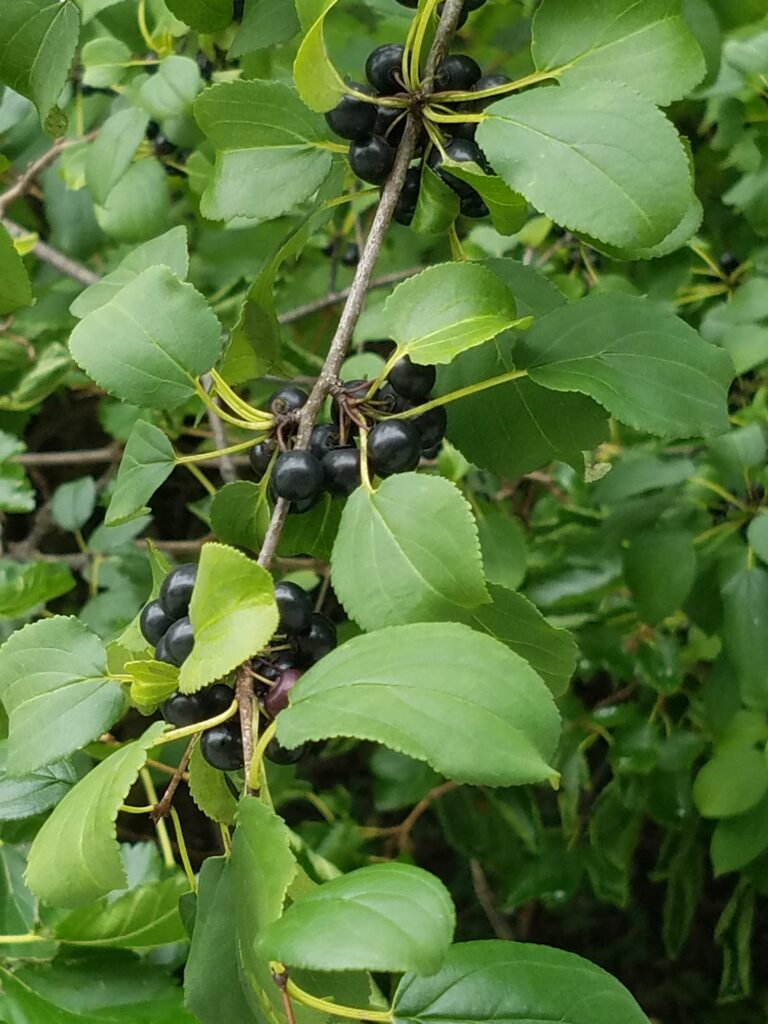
(372,159)
(297,476)
(459,151)
(390,401)
(341,471)
(222,746)
(179,641)
(355,389)
(488,82)
(161,652)
(154,622)
(390,124)
(288,398)
(352,118)
(277,698)
(176,591)
(384,68)
(294,606)
(183,709)
(457,72)
(323,439)
(319,641)
(282,755)
(394,446)
(431,426)
(411,380)
(260,457)
(217,698)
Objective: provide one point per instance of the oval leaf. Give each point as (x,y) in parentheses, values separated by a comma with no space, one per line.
(147,462)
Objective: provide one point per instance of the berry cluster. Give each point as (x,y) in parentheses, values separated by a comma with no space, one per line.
(303,637)
(374,130)
(332,461)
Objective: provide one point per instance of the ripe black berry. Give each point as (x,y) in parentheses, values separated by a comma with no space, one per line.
(394,446)
(459,151)
(356,389)
(222,746)
(154,622)
(352,118)
(161,652)
(390,401)
(431,426)
(260,457)
(390,124)
(294,606)
(288,398)
(341,469)
(411,380)
(323,439)
(183,709)
(297,476)
(179,641)
(384,68)
(464,130)
(408,198)
(152,131)
(176,591)
(218,699)
(281,755)
(238,10)
(457,72)
(728,263)
(277,698)
(351,255)
(319,641)
(473,206)
(432,453)
(488,82)
(372,159)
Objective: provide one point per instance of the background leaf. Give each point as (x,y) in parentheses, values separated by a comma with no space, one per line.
(147,462)
(72,504)
(15,287)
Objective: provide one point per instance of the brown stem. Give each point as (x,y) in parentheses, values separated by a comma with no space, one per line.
(163,807)
(281,980)
(244,694)
(402,832)
(487,901)
(25,180)
(47,254)
(334,298)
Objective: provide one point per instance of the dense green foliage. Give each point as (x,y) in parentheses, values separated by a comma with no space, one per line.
(454,728)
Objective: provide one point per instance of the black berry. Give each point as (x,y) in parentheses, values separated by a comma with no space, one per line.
(277,698)
(162,653)
(319,641)
(413,4)
(456,73)
(372,159)
(341,470)
(488,82)
(323,439)
(459,151)
(281,755)
(154,622)
(294,606)
(728,263)
(179,641)
(222,746)
(352,118)
(260,457)
(411,380)
(176,591)
(351,255)
(238,10)
(217,698)
(355,389)
(408,198)
(473,206)
(183,709)
(288,398)
(297,476)
(431,426)
(390,401)
(384,68)
(390,124)
(394,446)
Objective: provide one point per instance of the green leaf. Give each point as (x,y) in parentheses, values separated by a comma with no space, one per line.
(163,334)
(265,24)
(627,172)
(44,377)
(264,867)
(503,544)
(262,133)
(318,81)
(407,552)
(240,514)
(233,614)
(405,913)
(15,288)
(152,681)
(75,857)
(143,918)
(36,792)
(437,206)
(645,365)
(407,687)
(732,782)
(24,587)
(508,209)
(37,44)
(171,91)
(72,504)
(619,40)
(745,633)
(516,622)
(447,309)
(147,462)
(105,61)
(313,532)
(111,152)
(203,15)
(169,249)
(657,555)
(737,841)
(208,788)
(757,535)
(137,206)
(511,981)
(54,687)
